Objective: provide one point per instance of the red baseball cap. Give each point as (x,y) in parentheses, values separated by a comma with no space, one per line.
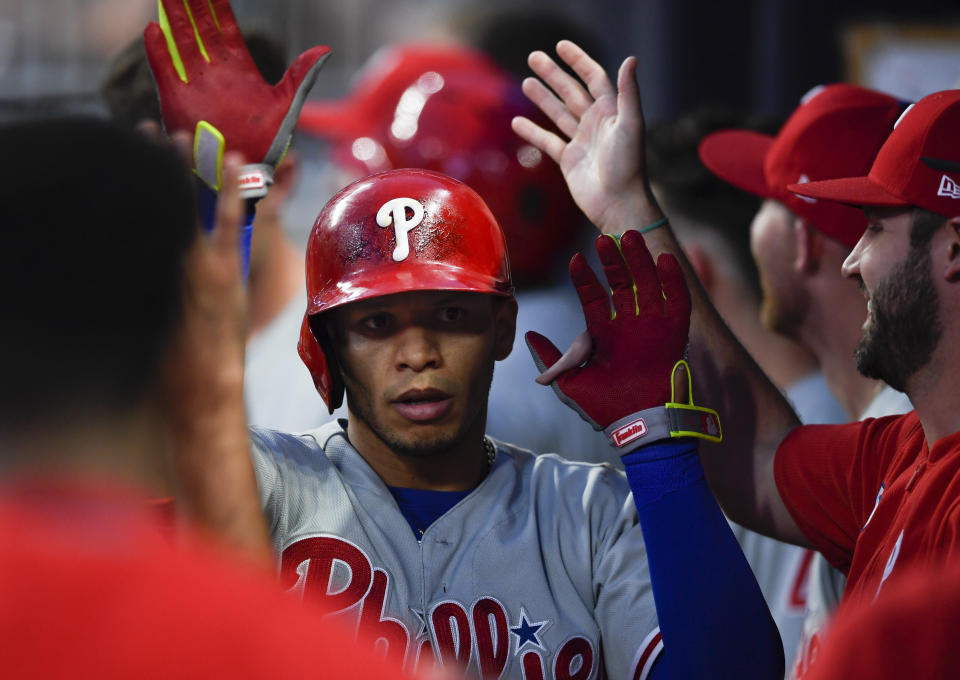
(836,131)
(919,165)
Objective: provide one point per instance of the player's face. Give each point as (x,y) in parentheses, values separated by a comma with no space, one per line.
(417,366)
(772,241)
(902,326)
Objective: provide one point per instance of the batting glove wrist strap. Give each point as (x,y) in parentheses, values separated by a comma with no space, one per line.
(672,420)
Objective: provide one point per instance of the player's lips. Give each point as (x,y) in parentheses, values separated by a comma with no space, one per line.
(423,405)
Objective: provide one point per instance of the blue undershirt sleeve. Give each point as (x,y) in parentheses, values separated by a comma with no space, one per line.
(713,618)
(207,200)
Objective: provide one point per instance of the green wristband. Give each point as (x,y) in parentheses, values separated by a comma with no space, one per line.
(650,227)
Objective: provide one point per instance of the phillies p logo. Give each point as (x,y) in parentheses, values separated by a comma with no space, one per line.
(394,212)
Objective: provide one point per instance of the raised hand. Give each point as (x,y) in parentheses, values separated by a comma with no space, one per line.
(634,349)
(601,148)
(210,87)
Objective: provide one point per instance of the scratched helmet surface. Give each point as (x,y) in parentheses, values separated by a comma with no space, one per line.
(447,108)
(395,232)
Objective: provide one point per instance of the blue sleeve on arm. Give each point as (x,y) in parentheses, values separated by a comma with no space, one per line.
(207,199)
(714,621)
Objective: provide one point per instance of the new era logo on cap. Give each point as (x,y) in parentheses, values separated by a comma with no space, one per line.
(948,188)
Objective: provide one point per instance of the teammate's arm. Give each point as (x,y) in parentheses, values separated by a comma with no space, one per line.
(204,387)
(712,615)
(210,88)
(600,150)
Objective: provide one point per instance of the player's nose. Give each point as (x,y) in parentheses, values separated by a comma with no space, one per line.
(851,265)
(417,349)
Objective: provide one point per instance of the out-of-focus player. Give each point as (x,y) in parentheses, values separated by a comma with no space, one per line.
(104,270)
(440,544)
(800,245)
(911,632)
(874,497)
(710,219)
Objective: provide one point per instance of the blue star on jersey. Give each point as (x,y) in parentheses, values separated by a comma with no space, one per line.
(528,632)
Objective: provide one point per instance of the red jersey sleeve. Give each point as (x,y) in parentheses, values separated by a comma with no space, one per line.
(829,477)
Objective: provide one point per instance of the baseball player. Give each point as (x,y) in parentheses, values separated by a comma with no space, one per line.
(812,301)
(875,496)
(710,219)
(438,544)
(461,127)
(96,335)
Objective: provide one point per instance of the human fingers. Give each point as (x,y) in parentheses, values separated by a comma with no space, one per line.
(675,292)
(593,296)
(618,276)
(548,102)
(644,273)
(629,109)
(182,142)
(230,207)
(583,65)
(548,142)
(177,24)
(205,23)
(577,99)
(576,355)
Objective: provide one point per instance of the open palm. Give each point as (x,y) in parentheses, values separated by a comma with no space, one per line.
(601,148)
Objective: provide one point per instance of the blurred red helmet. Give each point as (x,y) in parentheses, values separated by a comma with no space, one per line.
(448,109)
(394,232)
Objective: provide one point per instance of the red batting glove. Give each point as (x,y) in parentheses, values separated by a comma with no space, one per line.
(209,85)
(635,349)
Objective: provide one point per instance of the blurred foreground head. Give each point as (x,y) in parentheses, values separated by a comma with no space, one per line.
(448,109)
(97,223)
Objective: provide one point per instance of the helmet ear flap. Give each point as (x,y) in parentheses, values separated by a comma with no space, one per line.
(317,353)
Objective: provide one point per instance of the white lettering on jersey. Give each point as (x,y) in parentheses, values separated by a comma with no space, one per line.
(339,577)
(875,504)
(948,188)
(394,212)
(890,562)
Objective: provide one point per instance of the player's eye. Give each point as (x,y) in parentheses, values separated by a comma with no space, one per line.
(377,322)
(453,314)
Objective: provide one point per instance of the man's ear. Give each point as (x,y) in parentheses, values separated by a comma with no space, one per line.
(505,326)
(809,246)
(952,270)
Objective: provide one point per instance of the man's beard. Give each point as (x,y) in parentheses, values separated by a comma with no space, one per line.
(904,328)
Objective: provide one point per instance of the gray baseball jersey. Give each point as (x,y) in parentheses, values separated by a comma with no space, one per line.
(540,572)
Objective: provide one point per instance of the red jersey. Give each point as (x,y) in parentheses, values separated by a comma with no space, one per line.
(910,632)
(91,586)
(872,497)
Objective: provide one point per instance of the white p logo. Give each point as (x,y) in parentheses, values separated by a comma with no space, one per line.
(394,212)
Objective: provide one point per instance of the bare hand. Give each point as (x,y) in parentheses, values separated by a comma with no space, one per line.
(207,363)
(602,158)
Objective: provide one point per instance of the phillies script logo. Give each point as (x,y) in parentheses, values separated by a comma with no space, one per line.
(629,432)
(481,637)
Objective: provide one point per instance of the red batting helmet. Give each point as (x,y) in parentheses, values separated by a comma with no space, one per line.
(394,232)
(448,109)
